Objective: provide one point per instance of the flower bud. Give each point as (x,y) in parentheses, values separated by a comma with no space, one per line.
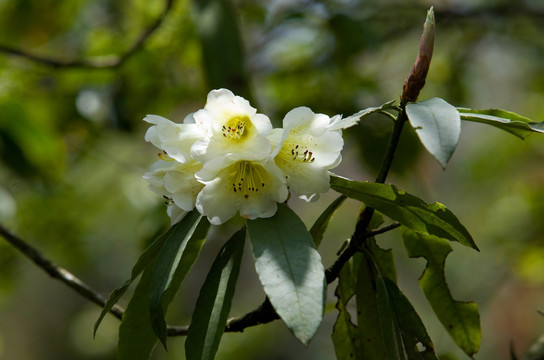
(416,80)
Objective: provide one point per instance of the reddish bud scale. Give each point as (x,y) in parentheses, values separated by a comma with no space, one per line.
(416,80)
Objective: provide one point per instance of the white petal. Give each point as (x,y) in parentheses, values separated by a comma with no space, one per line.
(175,213)
(262,123)
(216,203)
(230,125)
(308,150)
(303,120)
(174,139)
(175,181)
(251,188)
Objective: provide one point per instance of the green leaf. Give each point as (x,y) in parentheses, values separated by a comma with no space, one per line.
(409,210)
(147,257)
(396,323)
(374,345)
(508,121)
(345,334)
(411,327)
(220,38)
(438,126)
(136,335)
(461,319)
(384,260)
(388,322)
(318,229)
(290,270)
(369,111)
(174,261)
(214,301)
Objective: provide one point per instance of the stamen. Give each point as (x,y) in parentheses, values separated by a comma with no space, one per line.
(249,178)
(168,201)
(296,155)
(237,128)
(163,155)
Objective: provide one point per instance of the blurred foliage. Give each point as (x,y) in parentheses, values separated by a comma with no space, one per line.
(72,150)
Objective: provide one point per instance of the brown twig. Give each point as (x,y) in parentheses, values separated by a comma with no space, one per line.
(103,62)
(263,314)
(58,272)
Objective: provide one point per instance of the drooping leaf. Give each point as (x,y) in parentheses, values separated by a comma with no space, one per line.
(214,301)
(411,327)
(409,210)
(347,344)
(318,228)
(461,319)
(136,335)
(290,270)
(384,260)
(147,257)
(388,322)
(375,343)
(401,328)
(174,261)
(508,121)
(438,126)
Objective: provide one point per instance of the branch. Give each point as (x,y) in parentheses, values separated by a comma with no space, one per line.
(102,62)
(58,272)
(412,86)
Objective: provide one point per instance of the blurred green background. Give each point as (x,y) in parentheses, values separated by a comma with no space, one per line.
(73,155)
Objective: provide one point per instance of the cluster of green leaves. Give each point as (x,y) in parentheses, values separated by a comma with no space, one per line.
(51,140)
(286,260)
(292,274)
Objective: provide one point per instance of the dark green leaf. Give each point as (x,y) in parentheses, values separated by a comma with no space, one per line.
(322,222)
(407,209)
(220,38)
(508,121)
(388,322)
(384,260)
(461,319)
(143,262)
(438,126)
(400,326)
(214,301)
(136,335)
(290,270)
(369,324)
(411,327)
(174,261)
(345,335)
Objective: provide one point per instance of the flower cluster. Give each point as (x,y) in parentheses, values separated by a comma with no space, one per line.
(226,158)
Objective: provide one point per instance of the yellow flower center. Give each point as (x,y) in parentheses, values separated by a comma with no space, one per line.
(291,151)
(237,128)
(249,178)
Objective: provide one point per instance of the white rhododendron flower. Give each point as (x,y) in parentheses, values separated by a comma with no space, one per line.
(308,146)
(230,126)
(174,139)
(226,158)
(252,187)
(176,182)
